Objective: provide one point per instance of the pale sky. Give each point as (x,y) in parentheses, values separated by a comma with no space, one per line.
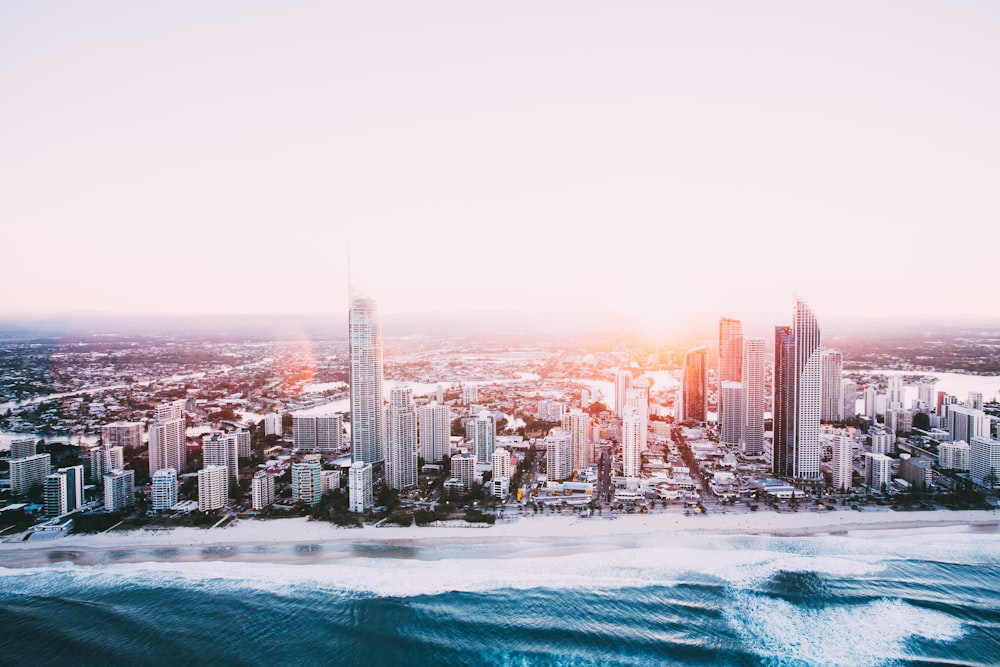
(658,157)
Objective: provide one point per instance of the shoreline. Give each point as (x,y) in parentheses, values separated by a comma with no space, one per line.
(297,540)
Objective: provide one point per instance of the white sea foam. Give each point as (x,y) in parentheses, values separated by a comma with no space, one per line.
(873,634)
(612,569)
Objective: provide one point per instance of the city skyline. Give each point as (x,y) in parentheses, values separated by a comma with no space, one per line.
(499,158)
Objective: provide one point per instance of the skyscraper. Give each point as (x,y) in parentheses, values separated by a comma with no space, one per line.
(784,392)
(483,431)
(577,422)
(213,488)
(559,454)
(731,420)
(401,440)
(359,487)
(797,394)
(849,389)
(832,408)
(753,396)
(730,364)
(167,438)
(843,461)
(694,388)
(623,381)
(119,490)
(164,489)
(367,415)
(633,442)
(306,482)
(434,423)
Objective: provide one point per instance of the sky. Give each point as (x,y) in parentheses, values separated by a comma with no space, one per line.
(646,157)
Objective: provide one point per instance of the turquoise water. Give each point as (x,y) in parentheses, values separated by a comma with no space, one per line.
(916,599)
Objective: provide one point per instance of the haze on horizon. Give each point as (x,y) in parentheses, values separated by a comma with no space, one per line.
(542,157)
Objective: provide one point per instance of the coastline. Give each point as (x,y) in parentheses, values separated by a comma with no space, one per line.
(297,539)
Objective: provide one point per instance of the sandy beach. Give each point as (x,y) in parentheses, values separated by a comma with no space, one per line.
(298,539)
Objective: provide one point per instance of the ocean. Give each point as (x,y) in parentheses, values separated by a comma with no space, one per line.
(874,598)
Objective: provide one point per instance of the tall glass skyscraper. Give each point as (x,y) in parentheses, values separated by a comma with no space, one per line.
(694,389)
(367,415)
(797,393)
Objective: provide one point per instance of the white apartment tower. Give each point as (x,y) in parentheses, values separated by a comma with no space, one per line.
(483,432)
(213,487)
(984,461)
(329,432)
(261,490)
(832,407)
(501,473)
(167,437)
(28,471)
(731,419)
(119,490)
(577,423)
(843,460)
(434,423)
(401,440)
(623,381)
(272,424)
(359,487)
(221,449)
(164,489)
(122,434)
(849,390)
(954,456)
(367,415)
(753,396)
(808,392)
(633,442)
(559,455)
(22,448)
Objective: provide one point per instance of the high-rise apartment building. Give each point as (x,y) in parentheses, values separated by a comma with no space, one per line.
(966,423)
(559,455)
(213,487)
(367,414)
(127,435)
(318,433)
(753,396)
(731,419)
(55,495)
(463,469)
(119,490)
(832,406)
(22,448)
(954,456)
(577,423)
(694,386)
(221,449)
(359,487)
(895,398)
(633,442)
(730,366)
(849,390)
(304,432)
(101,459)
(843,461)
(501,473)
(28,471)
(623,382)
(164,489)
(483,430)
(261,490)
(272,424)
(307,486)
(401,440)
(434,424)
(984,461)
(975,400)
(797,396)
(168,438)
